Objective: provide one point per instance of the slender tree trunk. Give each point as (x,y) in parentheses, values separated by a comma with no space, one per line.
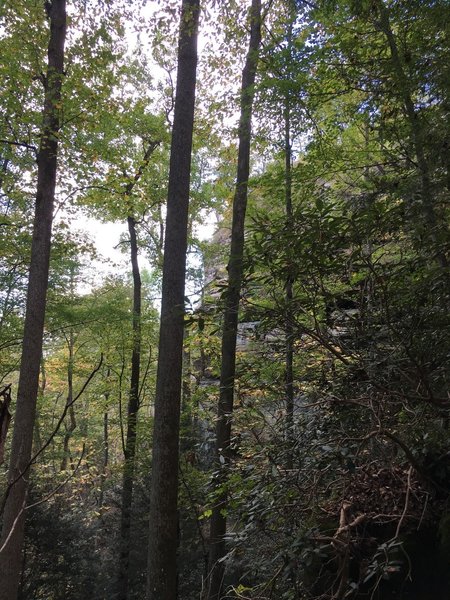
(289,329)
(37,438)
(5,417)
(3,169)
(186,385)
(105,456)
(289,359)
(229,334)
(70,428)
(163,534)
(133,407)
(11,540)
(129,443)
(72,424)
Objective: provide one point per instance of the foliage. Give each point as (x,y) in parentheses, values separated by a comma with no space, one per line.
(346,506)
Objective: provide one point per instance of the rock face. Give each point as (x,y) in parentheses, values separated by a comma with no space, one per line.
(247,334)
(342,316)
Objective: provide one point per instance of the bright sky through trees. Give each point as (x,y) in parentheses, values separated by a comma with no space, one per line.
(107,236)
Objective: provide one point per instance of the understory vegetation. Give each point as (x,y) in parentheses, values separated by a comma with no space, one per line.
(335,480)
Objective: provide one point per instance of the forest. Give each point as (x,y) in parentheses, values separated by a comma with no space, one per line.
(224,300)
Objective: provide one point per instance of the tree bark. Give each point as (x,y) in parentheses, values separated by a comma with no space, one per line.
(70,428)
(5,417)
(129,442)
(133,407)
(289,291)
(289,330)
(11,540)
(37,438)
(163,535)
(235,269)
(105,456)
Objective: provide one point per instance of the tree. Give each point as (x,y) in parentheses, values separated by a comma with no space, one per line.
(14,517)
(282,65)
(162,580)
(133,402)
(232,300)
(335,487)
(416,134)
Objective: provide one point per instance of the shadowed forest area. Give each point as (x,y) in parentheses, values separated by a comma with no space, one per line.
(244,393)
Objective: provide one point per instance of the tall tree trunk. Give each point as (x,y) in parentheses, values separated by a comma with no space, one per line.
(129,443)
(37,438)
(105,456)
(11,540)
(5,417)
(133,407)
(289,330)
(71,426)
(229,334)
(163,535)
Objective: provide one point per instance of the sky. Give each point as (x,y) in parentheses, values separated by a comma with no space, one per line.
(106,239)
(106,236)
